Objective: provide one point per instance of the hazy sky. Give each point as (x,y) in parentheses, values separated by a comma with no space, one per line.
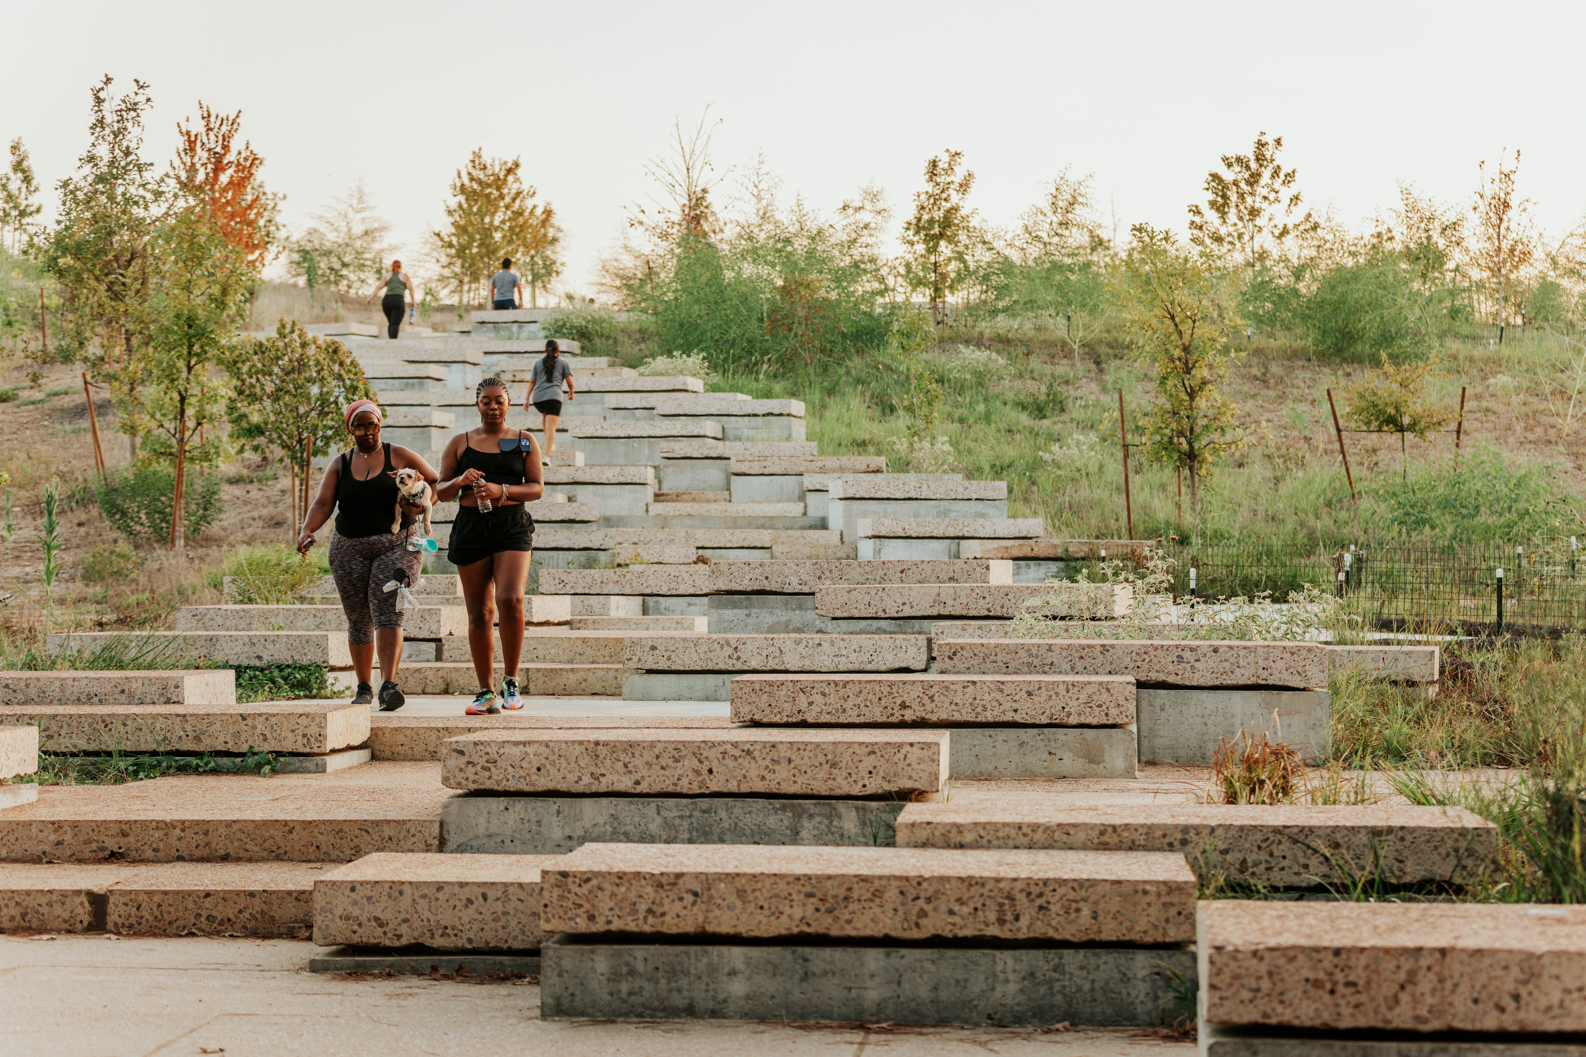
(1143,95)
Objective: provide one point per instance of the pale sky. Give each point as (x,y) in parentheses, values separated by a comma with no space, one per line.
(1144,95)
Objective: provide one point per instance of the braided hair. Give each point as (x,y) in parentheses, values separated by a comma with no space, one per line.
(491,383)
(550,347)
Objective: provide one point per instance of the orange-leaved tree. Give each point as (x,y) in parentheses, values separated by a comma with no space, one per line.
(212,169)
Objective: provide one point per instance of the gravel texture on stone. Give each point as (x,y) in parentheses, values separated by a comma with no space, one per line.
(728,509)
(600,475)
(253,648)
(1062,700)
(897,486)
(1284,845)
(751,891)
(672,625)
(1148,661)
(208,687)
(1048,550)
(19,750)
(797,467)
(448,902)
(636,580)
(1008,600)
(534,680)
(609,539)
(415,738)
(684,762)
(948,528)
(738,449)
(804,577)
(777,653)
(727,404)
(310,727)
(215,899)
(1472,967)
(675,427)
(426,622)
(56,897)
(1404,664)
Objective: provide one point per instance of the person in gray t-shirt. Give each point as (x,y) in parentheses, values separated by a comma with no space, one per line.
(507,287)
(550,371)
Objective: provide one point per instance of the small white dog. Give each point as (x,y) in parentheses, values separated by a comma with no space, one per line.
(415,490)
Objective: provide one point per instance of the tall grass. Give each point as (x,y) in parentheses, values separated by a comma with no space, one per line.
(119,653)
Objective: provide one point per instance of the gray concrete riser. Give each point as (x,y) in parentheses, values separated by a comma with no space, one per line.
(420,962)
(678,521)
(1091,986)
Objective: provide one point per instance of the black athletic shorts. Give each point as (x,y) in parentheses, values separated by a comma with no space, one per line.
(549,407)
(477,536)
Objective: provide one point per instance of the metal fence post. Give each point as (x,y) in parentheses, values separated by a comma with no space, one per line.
(1500,598)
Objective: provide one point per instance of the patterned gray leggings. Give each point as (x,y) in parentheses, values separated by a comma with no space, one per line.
(361,567)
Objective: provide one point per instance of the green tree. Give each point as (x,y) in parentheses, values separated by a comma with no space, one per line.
(1250,208)
(938,236)
(1054,268)
(541,265)
(1505,238)
(1393,399)
(290,389)
(345,248)
(491,215)
(18,189)
(1179,311)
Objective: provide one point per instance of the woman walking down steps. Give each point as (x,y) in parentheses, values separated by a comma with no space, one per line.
(492,471)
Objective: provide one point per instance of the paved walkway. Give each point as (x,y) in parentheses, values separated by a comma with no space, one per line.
(98,996)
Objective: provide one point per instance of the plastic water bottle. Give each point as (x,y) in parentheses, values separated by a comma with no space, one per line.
(485,506)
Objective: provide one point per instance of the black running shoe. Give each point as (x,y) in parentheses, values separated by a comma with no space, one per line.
(365,695)
(391,698)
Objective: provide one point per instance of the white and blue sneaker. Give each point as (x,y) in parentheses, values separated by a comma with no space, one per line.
(509,695)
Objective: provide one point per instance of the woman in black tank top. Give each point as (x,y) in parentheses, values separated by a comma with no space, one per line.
(491,545)
(365,554)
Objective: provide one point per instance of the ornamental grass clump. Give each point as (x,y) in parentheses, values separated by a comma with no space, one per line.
(1255,770)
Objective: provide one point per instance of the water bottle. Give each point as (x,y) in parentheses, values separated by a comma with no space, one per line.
(485,506)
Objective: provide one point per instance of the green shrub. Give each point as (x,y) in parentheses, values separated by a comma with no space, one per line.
(593,327)
(104,565)
(137,502)
(1489,499)
(269,576)
(282,682)
(8,394)
(686,364)
(1361,311)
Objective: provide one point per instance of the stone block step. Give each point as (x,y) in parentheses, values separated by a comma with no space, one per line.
(815,552)
(693,497)
(426,622)
(672,522)
(538,611)
(171,899)
(534,680)
(1002,700)
(923,601)
(333,817)
(628,554)
(730,405)
(777,653)
(1284,846)
(998,546)
(673,625)
(673,762)
(600,475)
(738,449)
(562,458)
(806,577)
(671,429)
(651,384)
(254,648)
(948,528)
(638,580)
(299,727)
(1399,663)
(394,736)
(558,538)
(19,749)
(1507,969)
(442,584)
(749,892)
(555,646)
(1149,662)
(902,486)
(788,466)
(445,902)
(728,509)
(210,687)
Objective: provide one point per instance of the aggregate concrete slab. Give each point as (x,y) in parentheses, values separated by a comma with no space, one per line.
(1195,664)
(19,750)
(487,823)
(215,899)
(1053,550)
(905,486)
(1471,967)
(637,580)
(1007,599)
(1186,726)
(420,737)
(777,653)
(693,762)
(1289,845)
(604,605)
(326,762)
(805,577)
(677,686)
(534,679)
(554,646)
(1219,1040)
(745,891)
(845,512)
(445,902)
(1041,752)
(738,449)
(684,625)
(426,622)
(190,687)
(766,614)
(592,979)
(1400,663)
(949,528)
(272,726)
(53,897)
(894,698)
(727,509)
(226,647)
(798,466)
(650,384)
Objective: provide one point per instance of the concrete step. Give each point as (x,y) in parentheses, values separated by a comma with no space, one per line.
(430,584)
(1397,663)
(891,496)
(626,554)
(673,625)
(642,475)
(299,727)
(738,449)
(949,528)
(19,755)
(558,538)
(561,457)
(749,892)
(676,762)
(534,679)
(1282,846)
(228,647)
(555,646)
(1150,662)
(775,466)
(1377,968)
(333,817)
(815,552)
(922,601)
(637,580)
(443,902)
(668,521)
(538,611)
(727,509)
(771,577)
(395,736)
(170,899)
(652,384)
(426,622)
(777,653)
(118,687)
(1067,701)
(693,497)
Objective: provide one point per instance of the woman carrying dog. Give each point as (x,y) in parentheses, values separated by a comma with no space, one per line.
(365,554)
(549,372)
(492,471)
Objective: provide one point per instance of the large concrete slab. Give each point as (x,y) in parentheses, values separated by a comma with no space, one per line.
(738,449)
(847,984)
(559,538)
(921,601)
(685,625)
(949,528)
(426,622)
(1003,700)
(903,486)
(1148,661)
(19,750)
(1504,968)
(309,727)
(794,614)
(685,762)
(635,580)
(534,680)
(804,577)
(728,510)
(55,897)
(777,653)
(1290,845)
(251,648)
(1186,726)
(1041,752)
(215,899)
(444,902)
(676,429)
(995,546)
(184,687)
(750,892)
(1399,663)
(650,384)
(395,736)
(781,466)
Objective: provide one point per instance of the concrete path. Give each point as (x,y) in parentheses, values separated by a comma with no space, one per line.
(454,704)
(99,996)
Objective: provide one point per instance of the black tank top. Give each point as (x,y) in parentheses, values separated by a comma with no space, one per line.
(499,467)
(365,508)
